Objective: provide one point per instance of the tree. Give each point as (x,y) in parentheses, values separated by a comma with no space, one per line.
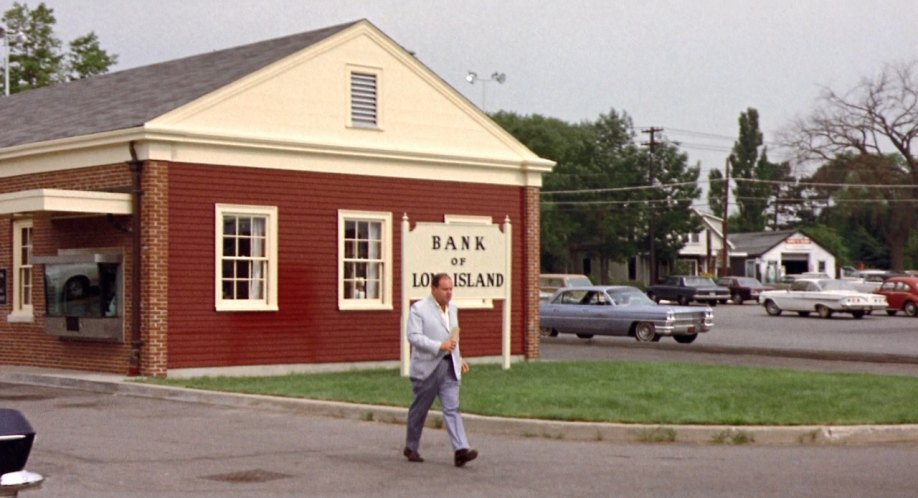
(565,144)
(87,59)
(877,118)
(746,166)
(38,61)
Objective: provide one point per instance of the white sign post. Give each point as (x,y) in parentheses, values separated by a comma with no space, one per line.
(477,257)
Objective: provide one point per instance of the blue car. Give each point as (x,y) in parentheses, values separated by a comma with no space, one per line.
(620,311)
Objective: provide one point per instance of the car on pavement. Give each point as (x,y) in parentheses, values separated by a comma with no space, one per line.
(620,310)
(901,295)
(743,289)
(550,282)
(684,289)
(823,296)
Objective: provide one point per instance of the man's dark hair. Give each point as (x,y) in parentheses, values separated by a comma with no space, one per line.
(435,280)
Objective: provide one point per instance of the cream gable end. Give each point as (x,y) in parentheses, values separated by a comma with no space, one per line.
(294,114)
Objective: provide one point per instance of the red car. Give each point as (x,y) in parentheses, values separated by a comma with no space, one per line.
(743,288)
(901,294)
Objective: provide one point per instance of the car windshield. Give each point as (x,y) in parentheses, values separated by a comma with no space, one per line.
(629,297)
(835,285)
(698,281)
(748,282)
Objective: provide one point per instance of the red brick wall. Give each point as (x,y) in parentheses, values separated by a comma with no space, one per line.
(181,329)
(27,343)
(308,327)
(532,252)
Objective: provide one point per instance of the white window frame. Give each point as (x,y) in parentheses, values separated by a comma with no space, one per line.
(22,311)
(384,302)
(269,302)
(356,106)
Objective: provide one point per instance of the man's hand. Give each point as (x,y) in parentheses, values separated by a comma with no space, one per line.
(465,366)
(448,345)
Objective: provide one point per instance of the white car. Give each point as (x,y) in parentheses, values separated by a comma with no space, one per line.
(824,296)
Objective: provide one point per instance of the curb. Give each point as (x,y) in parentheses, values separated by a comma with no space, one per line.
(576,431)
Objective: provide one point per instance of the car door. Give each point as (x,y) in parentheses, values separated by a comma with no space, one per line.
(566,313)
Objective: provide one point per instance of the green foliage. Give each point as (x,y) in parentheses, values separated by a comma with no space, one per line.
(623,391)
(87,59)
(595,201)
(38,60)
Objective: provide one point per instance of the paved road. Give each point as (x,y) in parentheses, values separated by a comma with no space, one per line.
(92,444)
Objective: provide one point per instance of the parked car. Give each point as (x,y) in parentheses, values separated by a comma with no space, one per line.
(786,281)
(823,296)
(684,289)
(743,289)
(901,294)
(550,282)
(620,311)
(870,280)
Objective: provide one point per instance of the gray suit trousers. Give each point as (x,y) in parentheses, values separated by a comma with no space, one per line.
(443,383)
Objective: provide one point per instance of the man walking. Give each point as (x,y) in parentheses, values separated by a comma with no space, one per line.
(436,369)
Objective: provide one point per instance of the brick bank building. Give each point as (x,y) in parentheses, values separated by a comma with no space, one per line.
(240,210)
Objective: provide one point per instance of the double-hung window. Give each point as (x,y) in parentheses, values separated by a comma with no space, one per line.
(246,258)
(364,260)
(23,280)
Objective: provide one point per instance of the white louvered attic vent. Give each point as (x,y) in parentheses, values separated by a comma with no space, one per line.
(363,100)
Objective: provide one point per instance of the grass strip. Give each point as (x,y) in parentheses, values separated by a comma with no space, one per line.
(628,392)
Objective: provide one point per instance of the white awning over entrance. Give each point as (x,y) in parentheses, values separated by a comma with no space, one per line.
(64,201)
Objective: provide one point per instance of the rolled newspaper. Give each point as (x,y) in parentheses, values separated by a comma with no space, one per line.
(454,334)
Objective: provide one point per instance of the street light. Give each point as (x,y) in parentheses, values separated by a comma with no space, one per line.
(18,38)
(472,77)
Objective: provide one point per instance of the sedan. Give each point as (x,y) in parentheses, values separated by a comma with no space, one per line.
(823,296)
(620,311)
(901,294)
(743,288)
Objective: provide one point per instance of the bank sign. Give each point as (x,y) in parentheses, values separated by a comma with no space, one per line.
(474,255)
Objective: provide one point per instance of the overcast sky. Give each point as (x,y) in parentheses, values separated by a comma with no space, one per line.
(690,66)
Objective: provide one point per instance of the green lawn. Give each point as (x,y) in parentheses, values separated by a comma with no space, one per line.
(611,391)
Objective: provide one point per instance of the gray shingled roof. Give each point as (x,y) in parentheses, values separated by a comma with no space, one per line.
(130,98)
(755,243)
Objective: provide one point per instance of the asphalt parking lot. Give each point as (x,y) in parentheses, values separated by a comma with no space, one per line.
(746,335)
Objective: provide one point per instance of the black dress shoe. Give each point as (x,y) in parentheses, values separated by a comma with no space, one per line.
(465,456)
(412,456)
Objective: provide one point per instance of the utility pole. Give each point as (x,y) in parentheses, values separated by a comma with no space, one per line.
(725,265)
(652,131)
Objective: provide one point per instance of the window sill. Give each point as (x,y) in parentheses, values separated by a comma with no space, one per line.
(224,308)
(359,305)
(20,317)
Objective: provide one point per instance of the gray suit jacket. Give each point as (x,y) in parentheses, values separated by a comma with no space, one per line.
(426,331)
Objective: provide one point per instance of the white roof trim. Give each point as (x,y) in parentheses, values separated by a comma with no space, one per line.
(65,201)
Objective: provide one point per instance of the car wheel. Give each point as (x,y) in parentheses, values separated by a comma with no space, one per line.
(737,298)
(891,312)
(653,297)
(685,339)
(858,314)
(645,332)
(713,303)
(824,311)
(910,309)
(548,332)
(772,309)
(585,336)
(682,300)
(803,313)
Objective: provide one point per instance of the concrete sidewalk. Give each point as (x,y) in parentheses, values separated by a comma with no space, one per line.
(600,432)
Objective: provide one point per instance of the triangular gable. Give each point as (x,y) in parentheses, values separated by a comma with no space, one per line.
(302,101)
